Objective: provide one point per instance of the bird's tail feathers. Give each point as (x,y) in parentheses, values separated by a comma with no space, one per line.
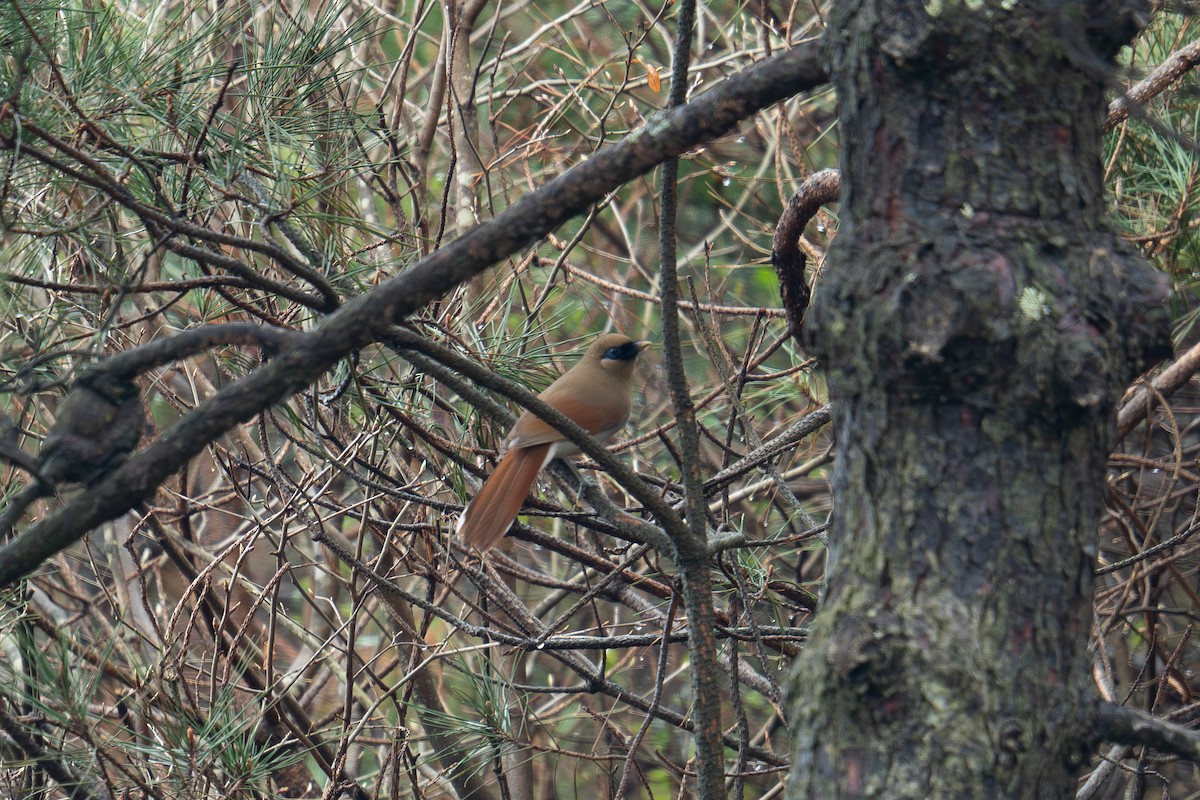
(491,513)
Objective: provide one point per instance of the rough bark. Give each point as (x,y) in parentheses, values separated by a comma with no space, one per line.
(977,321)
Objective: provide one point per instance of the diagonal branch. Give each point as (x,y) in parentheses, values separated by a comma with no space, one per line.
(1170,71)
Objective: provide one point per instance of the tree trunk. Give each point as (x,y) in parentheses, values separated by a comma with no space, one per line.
(977,322)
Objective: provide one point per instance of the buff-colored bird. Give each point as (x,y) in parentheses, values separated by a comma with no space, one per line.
(596,394)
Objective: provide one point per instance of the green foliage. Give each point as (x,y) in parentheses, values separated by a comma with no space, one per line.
(1153,175)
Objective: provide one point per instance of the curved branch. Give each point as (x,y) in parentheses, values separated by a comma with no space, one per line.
(101,419)
(128,364)
(819,189)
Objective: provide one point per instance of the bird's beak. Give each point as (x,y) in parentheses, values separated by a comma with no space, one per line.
(642,345)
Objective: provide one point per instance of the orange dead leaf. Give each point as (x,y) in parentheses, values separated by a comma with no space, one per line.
(652,78)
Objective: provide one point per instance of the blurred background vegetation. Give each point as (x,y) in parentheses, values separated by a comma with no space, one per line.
(166,165)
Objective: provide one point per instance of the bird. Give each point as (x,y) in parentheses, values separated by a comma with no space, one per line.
(596,394)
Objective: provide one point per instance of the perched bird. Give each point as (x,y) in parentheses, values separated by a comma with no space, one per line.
(595,394)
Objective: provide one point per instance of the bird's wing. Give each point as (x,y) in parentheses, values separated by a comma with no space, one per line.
(596,414)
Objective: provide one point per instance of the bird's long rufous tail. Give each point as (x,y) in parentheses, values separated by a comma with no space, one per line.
(489,516)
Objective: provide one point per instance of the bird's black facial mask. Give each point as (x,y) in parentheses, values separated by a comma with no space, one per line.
(624,352)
